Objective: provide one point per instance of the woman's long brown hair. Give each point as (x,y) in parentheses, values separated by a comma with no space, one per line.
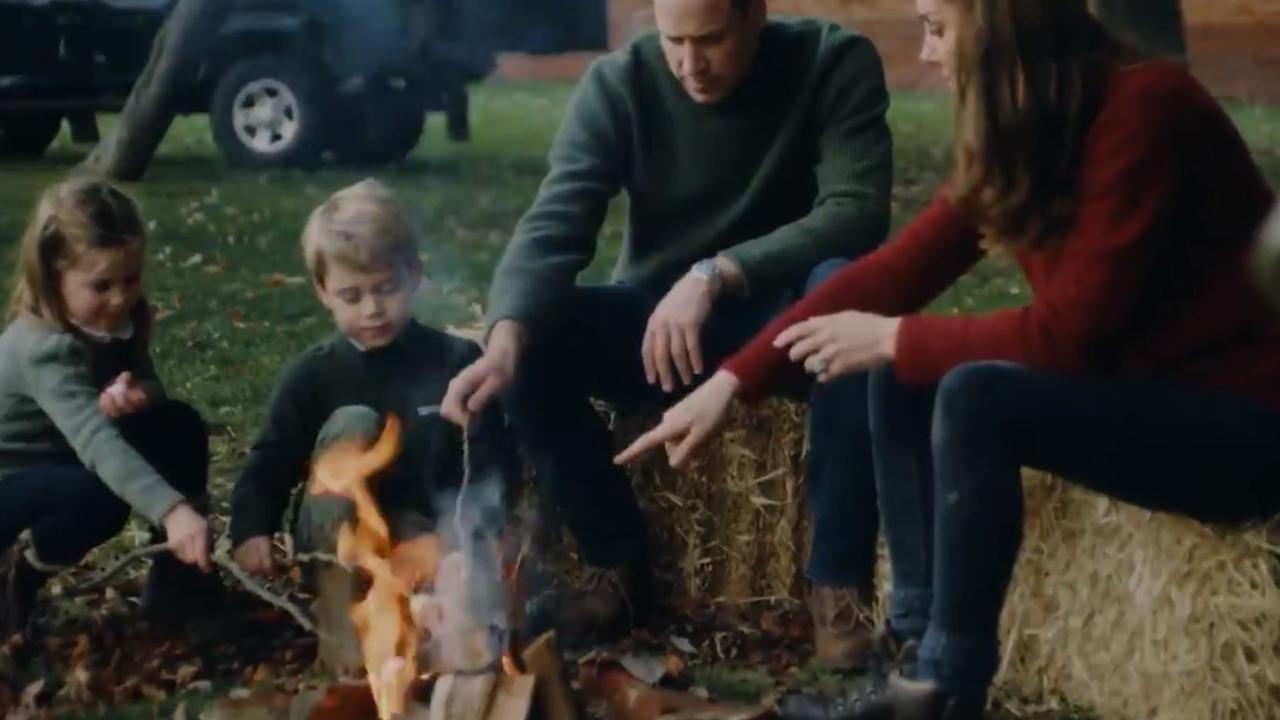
(1030,77)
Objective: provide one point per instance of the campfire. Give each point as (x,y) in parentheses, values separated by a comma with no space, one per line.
(436,626)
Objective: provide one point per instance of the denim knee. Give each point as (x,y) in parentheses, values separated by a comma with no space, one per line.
(972,398)
(821,272)
(350,422)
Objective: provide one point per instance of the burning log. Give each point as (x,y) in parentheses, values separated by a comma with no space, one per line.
(462,697)
(437,602)
(449,696)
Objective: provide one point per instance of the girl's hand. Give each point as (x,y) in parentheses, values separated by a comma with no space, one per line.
(254,556)
(124,396)
(188,535)
(689,424)
(834,345)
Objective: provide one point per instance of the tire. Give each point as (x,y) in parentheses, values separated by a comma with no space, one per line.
(379,132)
(27,135)
(268,111)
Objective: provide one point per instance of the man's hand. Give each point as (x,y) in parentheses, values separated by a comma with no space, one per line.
(254,556)
(188,535)
(689,424)
(124,396)
(672,347)
(493,372)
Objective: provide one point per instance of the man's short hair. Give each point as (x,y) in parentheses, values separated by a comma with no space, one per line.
(363,227)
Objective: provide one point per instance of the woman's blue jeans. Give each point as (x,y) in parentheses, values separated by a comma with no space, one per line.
(948,461)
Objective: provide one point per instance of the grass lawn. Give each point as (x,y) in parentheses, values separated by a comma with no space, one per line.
(226,275)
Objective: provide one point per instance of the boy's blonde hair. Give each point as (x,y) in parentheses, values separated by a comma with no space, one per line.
(79,214)
(362,227)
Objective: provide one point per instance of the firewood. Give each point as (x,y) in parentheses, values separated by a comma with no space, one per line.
(513,698)
(542,660)
(462,697)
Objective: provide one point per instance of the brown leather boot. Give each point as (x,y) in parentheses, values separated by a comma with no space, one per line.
(843,626)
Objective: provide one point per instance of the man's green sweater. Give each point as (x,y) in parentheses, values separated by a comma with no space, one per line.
(793,168)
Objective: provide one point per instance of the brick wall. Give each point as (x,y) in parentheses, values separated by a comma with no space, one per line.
(1235,44)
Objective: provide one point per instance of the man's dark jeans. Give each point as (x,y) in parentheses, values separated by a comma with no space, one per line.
(70,511)
(594,352)
(948,459)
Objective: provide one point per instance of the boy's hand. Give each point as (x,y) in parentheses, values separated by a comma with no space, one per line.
(254,556)
(479,382)
(124,396)
(188,535)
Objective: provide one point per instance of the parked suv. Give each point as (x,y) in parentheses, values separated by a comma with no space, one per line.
(283,81)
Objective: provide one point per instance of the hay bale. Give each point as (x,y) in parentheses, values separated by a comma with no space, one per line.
(1129,613)
(733,527)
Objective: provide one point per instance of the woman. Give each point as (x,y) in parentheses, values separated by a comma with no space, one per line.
(1145,367)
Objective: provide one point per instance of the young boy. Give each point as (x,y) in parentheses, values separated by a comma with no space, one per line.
(361,250)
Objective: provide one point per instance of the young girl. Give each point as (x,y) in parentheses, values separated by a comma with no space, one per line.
(1145,367)
(86,433)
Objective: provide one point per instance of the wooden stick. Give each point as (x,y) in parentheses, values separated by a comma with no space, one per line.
(222,560)
(226,563)
(101,579)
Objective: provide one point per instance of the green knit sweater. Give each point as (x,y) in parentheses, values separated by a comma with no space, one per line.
(50,380)
(793,168)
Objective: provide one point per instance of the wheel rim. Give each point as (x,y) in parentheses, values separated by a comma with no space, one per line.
(266,116)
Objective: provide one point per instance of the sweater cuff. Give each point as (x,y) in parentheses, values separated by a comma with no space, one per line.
(158,503)
(756,371)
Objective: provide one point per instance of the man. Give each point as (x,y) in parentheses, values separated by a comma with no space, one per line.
(753,152)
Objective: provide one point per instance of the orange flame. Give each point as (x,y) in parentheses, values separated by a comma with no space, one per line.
(382,619)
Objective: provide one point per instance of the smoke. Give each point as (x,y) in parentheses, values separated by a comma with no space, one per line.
(467,612)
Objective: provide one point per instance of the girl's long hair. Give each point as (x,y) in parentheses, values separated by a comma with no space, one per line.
(70,217)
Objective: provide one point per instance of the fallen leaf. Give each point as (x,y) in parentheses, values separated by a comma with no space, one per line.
(282,280)
(683,645)
(263,674)
(649,669)
(186,674)
(676,665)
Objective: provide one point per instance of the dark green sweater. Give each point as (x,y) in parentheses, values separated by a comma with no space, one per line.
(50,380)
(407,378)
(791,169)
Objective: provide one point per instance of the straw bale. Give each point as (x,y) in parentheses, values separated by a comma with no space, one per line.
(1129,613)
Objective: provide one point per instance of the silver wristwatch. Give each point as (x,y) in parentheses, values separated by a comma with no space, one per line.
(709,271)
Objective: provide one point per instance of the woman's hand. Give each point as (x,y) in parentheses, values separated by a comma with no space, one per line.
(834,345)
(188,535)
(124,396)
(254,556)
(689,424)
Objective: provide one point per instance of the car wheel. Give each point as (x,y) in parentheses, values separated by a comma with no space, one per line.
(268,111)
(27,135)
(379,132)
